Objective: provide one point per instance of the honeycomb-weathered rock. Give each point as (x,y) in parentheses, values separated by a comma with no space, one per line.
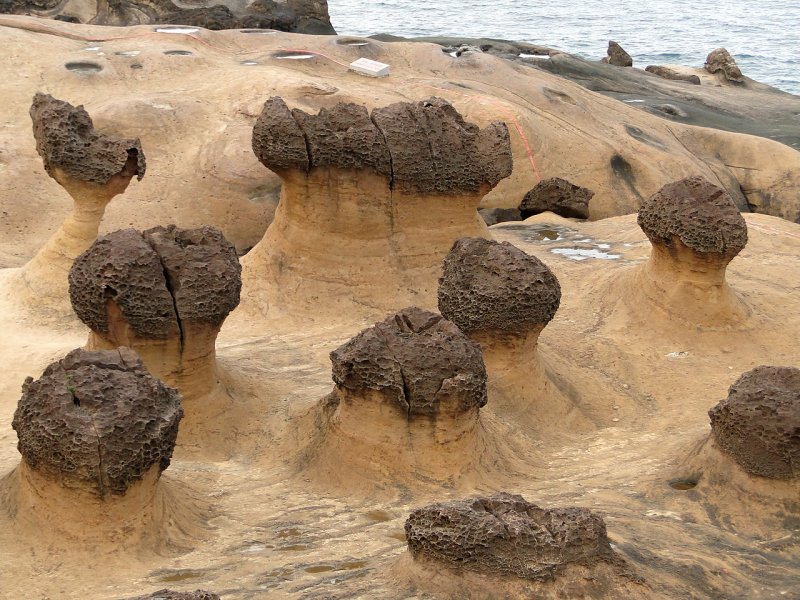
(420,147)
(701,215)
(617,56)
(721,60)
(66,139)
(491,286)
(415,358)
(505,535)
(758,424)
(150,275)
(98,419)
(558,196)
(170,595)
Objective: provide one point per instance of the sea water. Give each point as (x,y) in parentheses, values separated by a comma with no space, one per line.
(764,37)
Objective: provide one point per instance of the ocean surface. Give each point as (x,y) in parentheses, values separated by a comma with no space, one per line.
(764,37)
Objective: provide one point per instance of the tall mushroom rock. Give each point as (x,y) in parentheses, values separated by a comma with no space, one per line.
(93,168)
(370,203)
(164,292)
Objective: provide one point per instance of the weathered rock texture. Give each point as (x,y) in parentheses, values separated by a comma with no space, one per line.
(672,74)
(97,420)
(505,535)
(758,424)
(721,60)
(493,216)
(559,196)
(496,287)
(617,56)
(299,16)
(414,358)
(164,292)
(370,203)
(171,595)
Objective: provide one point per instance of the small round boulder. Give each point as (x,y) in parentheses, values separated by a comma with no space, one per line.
(505,535)
(98,420)
(492,286)
(417,359)
(758,424)
(698,213)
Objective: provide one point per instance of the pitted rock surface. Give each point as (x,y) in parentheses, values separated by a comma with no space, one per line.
(151,275)
(505,535)
(415,358)
(617,56)
(421,147)
(559,196)
(492,286)
(758,424)
(97,418)
(700,214)
(721,60)
(66,139)
(170,595)
(202,271)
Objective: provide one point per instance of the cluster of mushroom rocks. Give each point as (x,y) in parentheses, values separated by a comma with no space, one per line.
(758,424)
(505,535)
(97,421)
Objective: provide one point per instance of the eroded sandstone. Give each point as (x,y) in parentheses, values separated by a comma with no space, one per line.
(617,56)
(559,196)
(721,60)
(166,594)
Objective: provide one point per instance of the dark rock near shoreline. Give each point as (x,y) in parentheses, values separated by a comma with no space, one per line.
(617,56)
(721,60)
(559,196)
(672,74)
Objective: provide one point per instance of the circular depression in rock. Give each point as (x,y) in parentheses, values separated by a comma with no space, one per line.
(683,484)
(83,67)
(353,42)
(292,55)
(259,31)
(178,53)
(184,30)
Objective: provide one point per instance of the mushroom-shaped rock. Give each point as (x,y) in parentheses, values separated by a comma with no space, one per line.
(558,196)
(97,421)
(370,203)
(172,595)
(505,535)
(758,424)
(617,55)
(721,60)
(165,293)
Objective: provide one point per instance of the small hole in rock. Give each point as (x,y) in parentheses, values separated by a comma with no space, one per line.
(83,67)
(261,31)
(178,53)
(683,484)
(292,55)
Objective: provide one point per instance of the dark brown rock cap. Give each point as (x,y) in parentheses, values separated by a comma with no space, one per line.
(617,55)
(172,595)
(721,60)
(672,74)
(66,139)
(493,286)
(97,418)
(416,359)
(701,215)
(758,424)
(558,196)
(159,279)
(506,535)
(420,147)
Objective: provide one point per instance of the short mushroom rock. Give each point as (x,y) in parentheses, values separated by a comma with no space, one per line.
(617,56)
(721,60)
(171,595)
(97,420)
(758,424)
(558,196)
(489,286)
(505,535)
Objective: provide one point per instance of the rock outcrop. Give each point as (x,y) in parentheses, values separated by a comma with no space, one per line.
(298,16)
(370,203)
(758,424)
(493,216)
(558,196)
(165,293)
(617,56)
(672,74)
(97,421)
(172,595)
(720,60)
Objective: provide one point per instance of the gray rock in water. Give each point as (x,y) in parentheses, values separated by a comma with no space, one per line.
(617,56)
(721,60)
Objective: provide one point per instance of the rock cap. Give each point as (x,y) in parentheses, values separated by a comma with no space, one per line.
(721,60)
(617,55)
(559,196)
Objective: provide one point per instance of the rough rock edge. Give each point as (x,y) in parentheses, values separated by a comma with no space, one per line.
(166,594)
(559,196)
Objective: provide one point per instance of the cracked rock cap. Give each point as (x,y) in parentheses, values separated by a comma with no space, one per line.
(505,535)
(758,424)
(558,196)
(157,278)
(416,359)
(697,212)
(493,286)
(421,147)
(97,418)
(66,139)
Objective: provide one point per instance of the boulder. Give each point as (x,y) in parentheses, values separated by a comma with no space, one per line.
(721,60)
(559,196)
(672,74)
(617,56)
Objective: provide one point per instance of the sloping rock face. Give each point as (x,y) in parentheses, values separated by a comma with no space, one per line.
(415,359)
(699,214)
(98,420)
(505,535)
(491,286)
(171,595)
(758,424)
(617,56)
(721,60)
(66,140)
(559,196)
(298,16)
